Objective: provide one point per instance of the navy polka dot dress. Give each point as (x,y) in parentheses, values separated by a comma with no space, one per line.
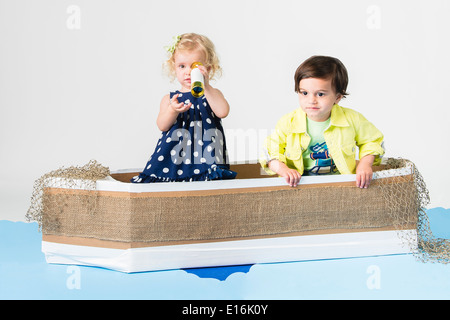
(194,149)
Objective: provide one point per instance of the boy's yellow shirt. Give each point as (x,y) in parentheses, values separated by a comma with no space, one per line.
(348,130)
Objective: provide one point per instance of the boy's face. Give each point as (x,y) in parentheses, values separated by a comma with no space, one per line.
(317,97)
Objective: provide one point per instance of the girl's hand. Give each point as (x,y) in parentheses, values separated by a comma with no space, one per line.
(205,74)
(217,101)
(364,172)
(178,107)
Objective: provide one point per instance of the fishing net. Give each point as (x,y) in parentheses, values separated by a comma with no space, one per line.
(65,180)
(424,245)
(65,202)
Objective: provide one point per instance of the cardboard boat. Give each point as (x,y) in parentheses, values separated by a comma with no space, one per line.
(254,218)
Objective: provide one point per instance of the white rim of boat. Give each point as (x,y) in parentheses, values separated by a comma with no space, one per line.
(111,184)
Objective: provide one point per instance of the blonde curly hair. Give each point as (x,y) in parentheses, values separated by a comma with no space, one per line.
(190,42)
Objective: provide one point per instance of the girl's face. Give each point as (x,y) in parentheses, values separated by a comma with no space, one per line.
(183,61)
(317,97)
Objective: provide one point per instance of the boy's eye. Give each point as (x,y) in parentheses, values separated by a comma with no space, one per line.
(304,93)
(321,94)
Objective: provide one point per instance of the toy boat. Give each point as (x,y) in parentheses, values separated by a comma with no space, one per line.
(254,218)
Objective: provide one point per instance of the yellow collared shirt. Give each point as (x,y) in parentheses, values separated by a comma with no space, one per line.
(348,130)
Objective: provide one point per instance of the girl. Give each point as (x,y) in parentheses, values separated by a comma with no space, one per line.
(192,144)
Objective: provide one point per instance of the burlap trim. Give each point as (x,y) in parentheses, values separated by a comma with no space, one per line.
(91,242)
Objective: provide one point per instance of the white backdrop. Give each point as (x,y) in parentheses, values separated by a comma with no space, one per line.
(82,80)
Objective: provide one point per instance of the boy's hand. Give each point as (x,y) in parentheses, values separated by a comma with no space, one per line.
(364,172)
(292,176)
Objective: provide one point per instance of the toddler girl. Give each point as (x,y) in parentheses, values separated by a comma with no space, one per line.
(192,144)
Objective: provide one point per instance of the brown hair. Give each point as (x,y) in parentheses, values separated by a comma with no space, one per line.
(323,67)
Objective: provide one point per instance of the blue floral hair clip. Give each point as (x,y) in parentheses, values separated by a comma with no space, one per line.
(172,47)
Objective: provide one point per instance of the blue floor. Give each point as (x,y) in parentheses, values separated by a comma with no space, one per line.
(24,274)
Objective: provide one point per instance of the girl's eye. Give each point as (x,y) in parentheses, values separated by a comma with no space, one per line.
(181,66)
(321,94)
(304,93)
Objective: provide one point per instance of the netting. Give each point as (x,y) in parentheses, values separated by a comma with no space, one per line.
(65,202)
(65,179)
(424,245)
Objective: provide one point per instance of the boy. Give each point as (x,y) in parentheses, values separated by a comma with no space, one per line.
(321,137)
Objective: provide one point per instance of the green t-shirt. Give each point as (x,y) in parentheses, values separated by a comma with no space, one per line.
(317,159)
